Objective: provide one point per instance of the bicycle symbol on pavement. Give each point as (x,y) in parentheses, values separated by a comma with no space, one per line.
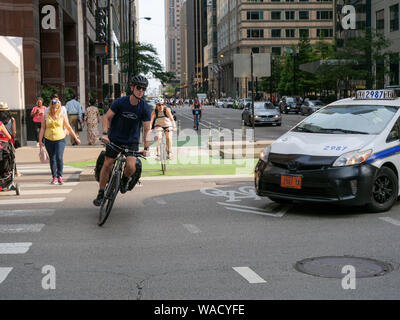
(246,192)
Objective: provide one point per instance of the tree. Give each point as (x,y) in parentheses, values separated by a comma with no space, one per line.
(147,61)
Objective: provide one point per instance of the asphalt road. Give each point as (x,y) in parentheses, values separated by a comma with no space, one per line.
(231,119)
(184,239)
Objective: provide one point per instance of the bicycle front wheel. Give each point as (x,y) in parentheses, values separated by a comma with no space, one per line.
(163,158)
(110,195)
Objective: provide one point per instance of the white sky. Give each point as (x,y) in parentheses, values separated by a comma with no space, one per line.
(153,31)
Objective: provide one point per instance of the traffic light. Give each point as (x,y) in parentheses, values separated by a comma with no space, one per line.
(101,25)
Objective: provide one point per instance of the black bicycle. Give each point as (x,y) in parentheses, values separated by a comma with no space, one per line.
(114,183)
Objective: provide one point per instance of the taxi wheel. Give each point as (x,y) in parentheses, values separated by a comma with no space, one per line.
(384,190)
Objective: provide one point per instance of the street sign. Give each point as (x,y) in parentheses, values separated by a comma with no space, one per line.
(242,65)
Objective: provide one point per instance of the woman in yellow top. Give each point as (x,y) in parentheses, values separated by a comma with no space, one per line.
(52,128)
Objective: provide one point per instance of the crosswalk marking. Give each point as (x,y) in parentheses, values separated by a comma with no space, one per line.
(27,213)
(46,184)
(32,201)
(15,248)
(4,272)
(46,192)
(249,275)
(21,228)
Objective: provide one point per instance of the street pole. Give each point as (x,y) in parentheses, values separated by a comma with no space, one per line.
(294,74)
(252,96)
(134,47)
(110,88)
(129,47)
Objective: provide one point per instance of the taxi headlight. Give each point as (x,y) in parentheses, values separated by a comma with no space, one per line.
(265,154)
(277,116)
(352,158)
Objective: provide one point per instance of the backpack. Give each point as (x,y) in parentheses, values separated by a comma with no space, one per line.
(165,112)
(99,165)
(6,157)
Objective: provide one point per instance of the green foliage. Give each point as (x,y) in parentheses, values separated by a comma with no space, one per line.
(69,93)
(47,92)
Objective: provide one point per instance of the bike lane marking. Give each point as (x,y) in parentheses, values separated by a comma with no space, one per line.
(260,211)
(27,213)
(15,248)
(32,201)
(249,275)
(391,220)
(4,272)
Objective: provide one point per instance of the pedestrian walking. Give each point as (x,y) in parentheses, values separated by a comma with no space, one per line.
(52,129)
(74,110)
(92,120)
(8,121)
(37,115)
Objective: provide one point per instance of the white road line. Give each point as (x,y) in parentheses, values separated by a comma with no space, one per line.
(21,228)
(70,170)
(260,211)
(44,192)
(27,213)
(249,275)
(32,201)
(15,248)
(160,201)
(392,221)
(192,228)
(4,272)
(44,184)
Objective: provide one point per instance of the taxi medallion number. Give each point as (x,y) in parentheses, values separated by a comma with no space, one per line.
(293,182)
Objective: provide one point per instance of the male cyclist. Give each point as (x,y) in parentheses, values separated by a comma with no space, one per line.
(196,106)
(121,126)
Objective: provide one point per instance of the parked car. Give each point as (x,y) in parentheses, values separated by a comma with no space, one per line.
(264,113)
(219,103)
(290,104)
(228,103)
(310,106)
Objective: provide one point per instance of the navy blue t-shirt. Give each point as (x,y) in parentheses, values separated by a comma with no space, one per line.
(127,121)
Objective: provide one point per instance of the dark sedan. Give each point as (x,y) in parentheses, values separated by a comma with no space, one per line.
(264,113)
(290,104)
(310,106)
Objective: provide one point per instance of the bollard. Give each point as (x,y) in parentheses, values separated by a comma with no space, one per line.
(243,129)
(219,126)
(179,127)
(209,133)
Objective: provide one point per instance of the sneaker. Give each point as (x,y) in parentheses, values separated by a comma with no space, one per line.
(60,181)
(54,180)
(97,202)
(37,144)
(170,156)
(125,184)
(158,157)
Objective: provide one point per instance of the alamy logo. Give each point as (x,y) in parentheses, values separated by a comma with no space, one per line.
(349,280)
(349,20)
(49,19)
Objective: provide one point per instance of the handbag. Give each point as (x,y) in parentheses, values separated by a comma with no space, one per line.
(44,158)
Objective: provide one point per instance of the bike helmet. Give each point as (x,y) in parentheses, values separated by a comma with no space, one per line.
(159,101)
(139,80)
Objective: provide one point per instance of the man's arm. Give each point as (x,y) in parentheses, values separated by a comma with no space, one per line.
(106,125)
(146,138)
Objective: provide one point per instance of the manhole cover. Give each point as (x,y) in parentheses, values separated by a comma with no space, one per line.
(331,267)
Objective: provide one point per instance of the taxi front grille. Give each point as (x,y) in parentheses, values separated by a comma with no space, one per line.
(296,162)
(301,167)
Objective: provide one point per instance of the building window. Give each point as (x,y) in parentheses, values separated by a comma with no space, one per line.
(304,33)
(394,17)
(290,15)
(276,33)
(276,51)
(325,15)
(325,33)
(304,15)
(255,50)
(394,69)
(276,15)
(380,21)
(255,33)
(255,15)
(290,33)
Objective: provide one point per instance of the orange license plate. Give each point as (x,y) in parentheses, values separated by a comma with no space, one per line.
(293,182)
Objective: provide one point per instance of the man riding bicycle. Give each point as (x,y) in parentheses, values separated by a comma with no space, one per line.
(196,106)
(163,120)
(122,125)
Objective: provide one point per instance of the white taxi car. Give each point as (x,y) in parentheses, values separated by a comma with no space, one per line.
(348,152)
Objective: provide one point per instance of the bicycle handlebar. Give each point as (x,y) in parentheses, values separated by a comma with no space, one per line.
(136,154)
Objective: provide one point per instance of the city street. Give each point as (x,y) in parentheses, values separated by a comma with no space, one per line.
(178,238)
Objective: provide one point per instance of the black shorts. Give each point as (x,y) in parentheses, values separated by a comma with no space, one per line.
(196,109)
(113,154)
(166,129)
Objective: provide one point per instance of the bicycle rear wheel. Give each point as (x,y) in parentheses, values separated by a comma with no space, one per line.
(110,195)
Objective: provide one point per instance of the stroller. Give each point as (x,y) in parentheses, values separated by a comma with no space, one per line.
(8,168)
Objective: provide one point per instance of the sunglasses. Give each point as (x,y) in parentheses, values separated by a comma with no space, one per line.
(138,88)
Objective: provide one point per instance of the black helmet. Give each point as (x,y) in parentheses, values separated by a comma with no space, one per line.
(139,80)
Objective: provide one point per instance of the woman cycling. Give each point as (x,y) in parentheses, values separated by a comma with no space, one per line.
(164,120)
(196,106)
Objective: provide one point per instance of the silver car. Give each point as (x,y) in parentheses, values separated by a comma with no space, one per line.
(310,106)
(264,113)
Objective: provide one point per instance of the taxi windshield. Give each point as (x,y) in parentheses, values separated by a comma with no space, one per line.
(359,119)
